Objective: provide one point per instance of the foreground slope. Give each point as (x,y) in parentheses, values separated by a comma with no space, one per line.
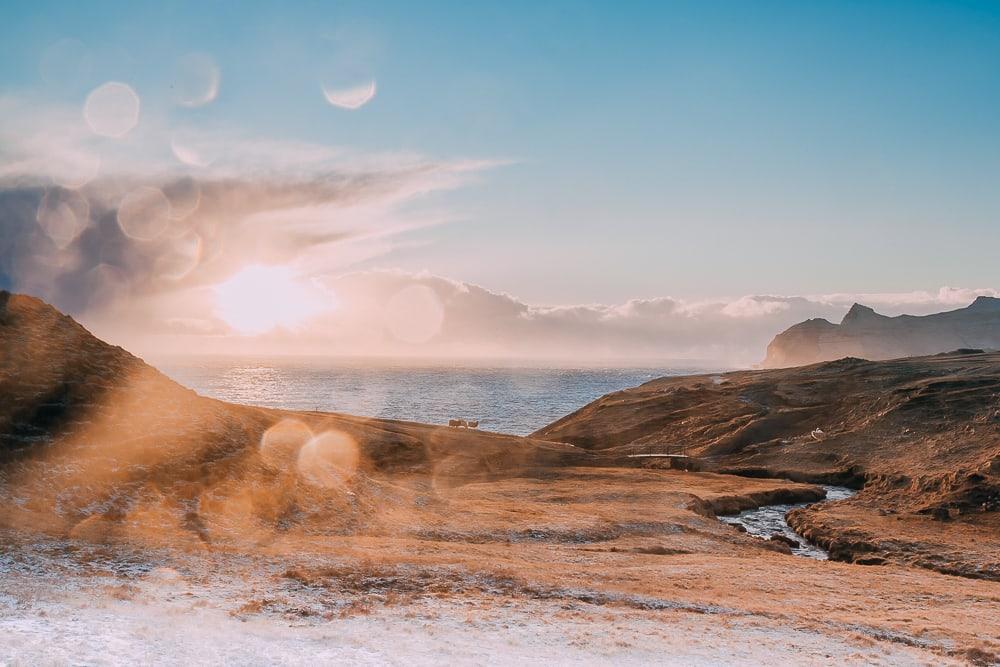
(921,435)
(869,335)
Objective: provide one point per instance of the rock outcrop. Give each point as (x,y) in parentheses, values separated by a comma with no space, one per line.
(866,334)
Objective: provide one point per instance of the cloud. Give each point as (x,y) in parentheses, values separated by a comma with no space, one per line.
(100,227)
(914,303)
(132,236)
(749,306)
(454,319)
(161,235)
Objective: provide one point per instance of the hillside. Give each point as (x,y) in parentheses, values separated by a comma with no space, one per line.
(866,334)
(921,435)
(91,434)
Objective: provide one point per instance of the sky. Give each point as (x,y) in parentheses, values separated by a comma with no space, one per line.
(623,177)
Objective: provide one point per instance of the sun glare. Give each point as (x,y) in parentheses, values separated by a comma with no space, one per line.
(261,298)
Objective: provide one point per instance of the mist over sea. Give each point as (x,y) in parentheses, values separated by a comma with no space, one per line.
(504,398)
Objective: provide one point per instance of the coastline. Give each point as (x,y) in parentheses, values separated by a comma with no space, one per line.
(124,484)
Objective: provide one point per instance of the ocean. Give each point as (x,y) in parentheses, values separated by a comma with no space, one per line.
(506,399)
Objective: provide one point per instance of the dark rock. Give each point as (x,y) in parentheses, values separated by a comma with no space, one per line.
(940,514)
(780,547)
(659,550)
(869,560)
(784,539)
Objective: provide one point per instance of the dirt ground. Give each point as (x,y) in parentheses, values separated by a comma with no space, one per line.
(600,564)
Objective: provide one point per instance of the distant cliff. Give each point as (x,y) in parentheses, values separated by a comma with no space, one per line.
(866,334)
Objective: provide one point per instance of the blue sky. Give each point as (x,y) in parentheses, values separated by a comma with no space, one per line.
(692,149)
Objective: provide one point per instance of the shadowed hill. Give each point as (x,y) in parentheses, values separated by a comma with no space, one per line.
(89,433)
(866,334)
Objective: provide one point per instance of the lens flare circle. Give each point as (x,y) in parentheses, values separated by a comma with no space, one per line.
(63,214)
(184,196)
(351,97)
(182,256)
(188,151)
(73,169)
(196,80)
(112,110)
(280,444)
(144,213)
(329,460)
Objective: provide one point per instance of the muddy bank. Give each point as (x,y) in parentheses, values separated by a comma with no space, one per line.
(788,495)
(851,478)
(855,532)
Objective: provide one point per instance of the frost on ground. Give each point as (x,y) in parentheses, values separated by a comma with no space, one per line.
(159,615)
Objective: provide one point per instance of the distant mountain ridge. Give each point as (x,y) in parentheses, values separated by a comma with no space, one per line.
(866,334)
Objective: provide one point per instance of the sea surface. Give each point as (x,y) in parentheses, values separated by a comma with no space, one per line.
(506,399)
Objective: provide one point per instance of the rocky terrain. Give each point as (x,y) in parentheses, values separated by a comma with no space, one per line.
(128,497)
(865,334)
(920,437)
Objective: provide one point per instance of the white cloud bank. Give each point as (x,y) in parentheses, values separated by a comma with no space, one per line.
(421,315)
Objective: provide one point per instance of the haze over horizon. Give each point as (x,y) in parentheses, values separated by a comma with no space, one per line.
(554,181)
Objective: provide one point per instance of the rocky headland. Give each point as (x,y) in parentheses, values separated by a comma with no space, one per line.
(865,334)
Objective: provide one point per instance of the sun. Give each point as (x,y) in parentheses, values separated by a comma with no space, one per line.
(259,299)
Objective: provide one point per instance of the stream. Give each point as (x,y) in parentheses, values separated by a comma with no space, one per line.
(767,520)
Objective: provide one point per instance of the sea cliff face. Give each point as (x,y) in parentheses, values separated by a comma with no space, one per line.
(865,334)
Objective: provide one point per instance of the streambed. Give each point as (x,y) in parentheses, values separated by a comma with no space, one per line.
(767,520)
